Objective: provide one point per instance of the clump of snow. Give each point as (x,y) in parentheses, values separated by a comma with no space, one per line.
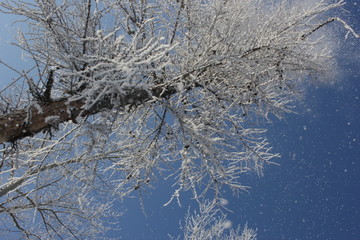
(52,120)
(38,108)
(227,224)
(180,86)
(224,202)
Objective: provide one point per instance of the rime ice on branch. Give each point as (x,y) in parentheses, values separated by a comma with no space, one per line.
(123,92)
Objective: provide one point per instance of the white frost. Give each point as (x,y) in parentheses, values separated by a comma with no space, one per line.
(52,120)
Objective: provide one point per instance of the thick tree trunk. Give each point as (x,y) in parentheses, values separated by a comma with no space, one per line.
(41,116)
(38,117)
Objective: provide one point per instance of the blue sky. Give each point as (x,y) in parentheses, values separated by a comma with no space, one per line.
(313,194)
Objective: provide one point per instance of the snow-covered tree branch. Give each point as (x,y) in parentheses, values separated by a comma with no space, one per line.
(125,92)
(208,223)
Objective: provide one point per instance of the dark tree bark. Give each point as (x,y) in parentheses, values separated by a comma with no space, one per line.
(27,122)
(42,116)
